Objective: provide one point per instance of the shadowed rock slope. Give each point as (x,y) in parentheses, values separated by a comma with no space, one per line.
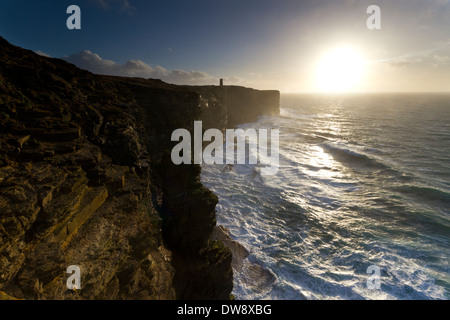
(85,179)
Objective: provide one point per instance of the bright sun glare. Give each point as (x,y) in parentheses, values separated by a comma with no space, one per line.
(340,70)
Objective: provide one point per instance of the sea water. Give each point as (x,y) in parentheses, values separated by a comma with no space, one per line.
(363,183)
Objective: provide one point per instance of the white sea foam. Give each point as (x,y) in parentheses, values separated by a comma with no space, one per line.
(345,198)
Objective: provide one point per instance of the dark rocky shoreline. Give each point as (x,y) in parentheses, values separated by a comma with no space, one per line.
(86,179)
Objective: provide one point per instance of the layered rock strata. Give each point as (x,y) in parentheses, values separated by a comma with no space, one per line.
(86,179)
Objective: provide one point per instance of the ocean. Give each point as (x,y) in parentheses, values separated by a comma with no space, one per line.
(363,183)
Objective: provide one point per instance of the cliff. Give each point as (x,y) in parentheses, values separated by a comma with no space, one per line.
(224,107)
(86,179)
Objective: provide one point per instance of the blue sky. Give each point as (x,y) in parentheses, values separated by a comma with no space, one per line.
(260,43)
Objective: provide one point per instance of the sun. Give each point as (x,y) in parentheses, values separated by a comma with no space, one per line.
(340,70)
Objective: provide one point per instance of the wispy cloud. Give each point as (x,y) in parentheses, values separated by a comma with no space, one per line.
(438,55)
(400,63)
(39,52)
(136,68)
(441,59)
(123,5)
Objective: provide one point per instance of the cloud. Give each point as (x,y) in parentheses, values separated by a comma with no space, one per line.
(136,68)
(237,81)
(402,63)
(123,5)
(39,52)
(437,54)
(427,58)
(399,63)
(441,59)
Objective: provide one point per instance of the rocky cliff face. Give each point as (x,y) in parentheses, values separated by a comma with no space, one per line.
(86,179)
(227,106)
(246,104)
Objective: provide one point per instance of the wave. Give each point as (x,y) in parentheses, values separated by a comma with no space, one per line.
(354,159)
(429,193)
(426,193)
(378,196)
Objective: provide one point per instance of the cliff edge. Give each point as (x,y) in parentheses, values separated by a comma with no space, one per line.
(224,107)
(86,179)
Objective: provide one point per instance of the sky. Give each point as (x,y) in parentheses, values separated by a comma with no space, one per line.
(288,45)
